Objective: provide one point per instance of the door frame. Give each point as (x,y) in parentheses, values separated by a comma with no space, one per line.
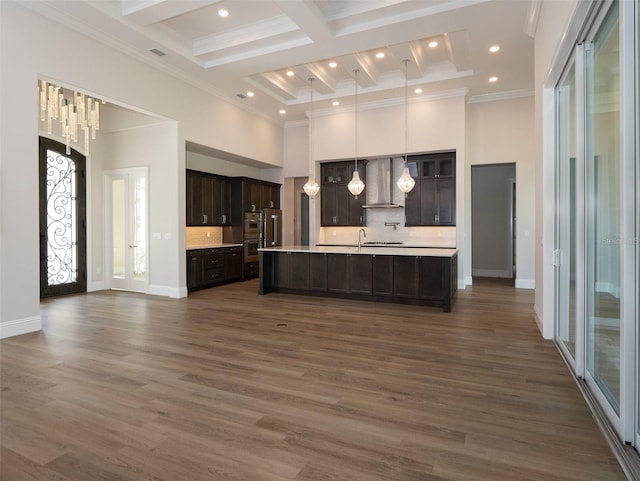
(108,176)
(44,144)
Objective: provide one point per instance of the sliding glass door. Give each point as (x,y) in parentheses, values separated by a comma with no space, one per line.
(566,214)
(597,173)
(603,210)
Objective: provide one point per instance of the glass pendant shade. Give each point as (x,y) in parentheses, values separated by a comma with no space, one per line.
(311,188)
(356,186)
(405,183)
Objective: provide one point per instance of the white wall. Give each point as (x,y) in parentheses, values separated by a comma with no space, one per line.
(154,147)
(50,51)
(553,23)
(433,124)
(503,132)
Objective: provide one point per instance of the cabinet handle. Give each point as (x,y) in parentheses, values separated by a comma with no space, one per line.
(223,218)
(204,218)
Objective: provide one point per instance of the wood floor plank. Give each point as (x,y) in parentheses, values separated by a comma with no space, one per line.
(230,385)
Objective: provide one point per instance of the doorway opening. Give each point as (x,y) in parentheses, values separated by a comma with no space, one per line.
(493,220)
(63,225)
(126,196)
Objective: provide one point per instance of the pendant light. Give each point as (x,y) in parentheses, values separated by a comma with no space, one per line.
(356,186)
(405,183)
(311,187)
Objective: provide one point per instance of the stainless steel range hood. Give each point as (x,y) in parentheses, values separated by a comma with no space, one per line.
(380,185)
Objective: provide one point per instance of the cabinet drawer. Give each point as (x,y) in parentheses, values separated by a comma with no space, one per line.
(214,275)
(213,261)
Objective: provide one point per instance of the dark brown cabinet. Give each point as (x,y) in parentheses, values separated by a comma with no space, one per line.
(291,269)
(383,276)
(210,267)
(409,279)
(360,274)
(433,199)
(269,196)
(337,273)
(232,263)
(318,273)
(208,199)
(406,276)
(339,207)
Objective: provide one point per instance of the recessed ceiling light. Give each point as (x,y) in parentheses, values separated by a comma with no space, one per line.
(418,90)
(380,55)
(333,64)
(433,44)
(223,13)
(289,73)
(493,79)
(250,93)
(494,48)
(283,111)
(335,103)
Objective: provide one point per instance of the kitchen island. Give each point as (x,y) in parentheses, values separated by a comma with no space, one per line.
(423,276)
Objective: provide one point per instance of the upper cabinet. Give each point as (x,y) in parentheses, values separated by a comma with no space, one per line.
(257,194)
(208,198)
(432,201)
(339,207)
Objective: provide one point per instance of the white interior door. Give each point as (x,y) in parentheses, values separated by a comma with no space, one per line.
(126,229)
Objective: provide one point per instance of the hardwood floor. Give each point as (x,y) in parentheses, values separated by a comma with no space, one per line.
(229,385)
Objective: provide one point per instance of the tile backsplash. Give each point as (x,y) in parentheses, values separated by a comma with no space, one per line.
(444,237)
(201,236)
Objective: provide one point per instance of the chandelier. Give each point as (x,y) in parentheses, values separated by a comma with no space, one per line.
(75,111)
(311,187)
(356,186)
(405,183)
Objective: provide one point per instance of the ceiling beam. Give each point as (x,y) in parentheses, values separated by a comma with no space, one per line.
(414,52)
(308,17)
(325,82)
(147,12)
(367,72)
(457,43)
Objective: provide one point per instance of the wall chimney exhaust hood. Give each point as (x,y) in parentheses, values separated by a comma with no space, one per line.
(380,185)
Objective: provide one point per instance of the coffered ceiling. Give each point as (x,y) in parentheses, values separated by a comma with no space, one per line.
(253,48)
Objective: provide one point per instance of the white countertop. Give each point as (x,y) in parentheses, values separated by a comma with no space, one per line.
(389,251)
(211,246)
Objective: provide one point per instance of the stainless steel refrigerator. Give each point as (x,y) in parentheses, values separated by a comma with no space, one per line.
(271,231)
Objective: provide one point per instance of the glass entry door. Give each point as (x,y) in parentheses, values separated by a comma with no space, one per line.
(126,234)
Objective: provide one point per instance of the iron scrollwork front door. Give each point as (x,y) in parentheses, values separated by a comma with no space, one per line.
(63,251)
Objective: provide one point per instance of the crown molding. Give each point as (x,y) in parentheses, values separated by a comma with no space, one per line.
(512,94)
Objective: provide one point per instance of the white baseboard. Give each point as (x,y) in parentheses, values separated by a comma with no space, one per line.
(468,281)
(175,292)
(20,326)
(525,283)
(538,321)
(95,286)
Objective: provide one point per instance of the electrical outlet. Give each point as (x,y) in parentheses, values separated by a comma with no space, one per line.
(334,233)
(208,234)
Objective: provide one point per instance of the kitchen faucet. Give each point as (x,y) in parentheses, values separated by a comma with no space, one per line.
(361,231)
